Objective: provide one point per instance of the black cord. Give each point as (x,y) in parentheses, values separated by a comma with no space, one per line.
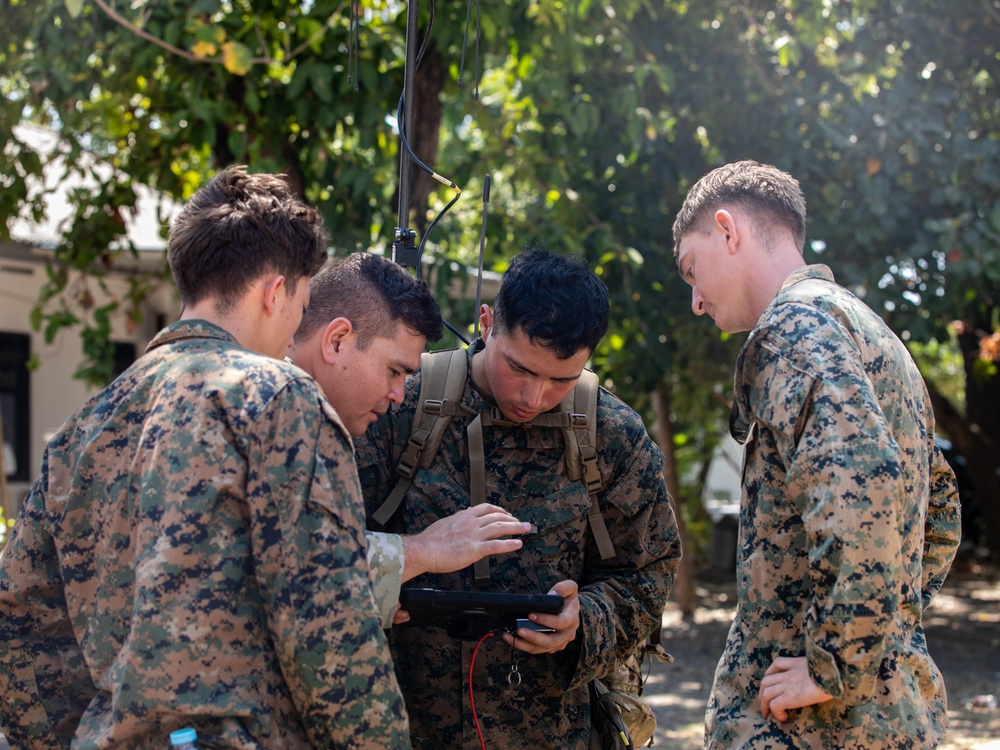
(482,252)
(402,125)
(458,334)
(427,37)
(465,43)
(443,180)
(357,59)
(350,41)
(353,18)
(475,91)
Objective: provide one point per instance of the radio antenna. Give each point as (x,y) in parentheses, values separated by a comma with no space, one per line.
(482,251)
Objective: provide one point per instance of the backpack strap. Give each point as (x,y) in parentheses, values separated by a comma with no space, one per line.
(580,436)
(477,489)
(442,383)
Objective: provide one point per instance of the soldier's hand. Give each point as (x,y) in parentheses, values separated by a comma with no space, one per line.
(459,540)
(787,685)
(564,624)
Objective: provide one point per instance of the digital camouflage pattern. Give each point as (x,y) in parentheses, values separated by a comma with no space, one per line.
(193,554)
(621,599)
(848,525)
(385,560)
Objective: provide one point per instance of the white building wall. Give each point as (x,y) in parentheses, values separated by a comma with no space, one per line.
(723,483)
(54,393)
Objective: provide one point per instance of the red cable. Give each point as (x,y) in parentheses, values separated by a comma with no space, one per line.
(472,699)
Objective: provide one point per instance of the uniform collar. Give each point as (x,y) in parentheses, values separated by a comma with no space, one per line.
(190,329)
(817,271)
(804,273)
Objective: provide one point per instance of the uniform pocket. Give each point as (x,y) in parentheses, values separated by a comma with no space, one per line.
(555,547)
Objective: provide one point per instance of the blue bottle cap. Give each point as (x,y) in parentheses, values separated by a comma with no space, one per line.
(183,735)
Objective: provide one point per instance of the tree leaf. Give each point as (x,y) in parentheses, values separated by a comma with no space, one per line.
(236,58)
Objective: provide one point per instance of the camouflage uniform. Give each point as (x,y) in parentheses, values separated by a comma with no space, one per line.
(186,558)
(848,525)
(621,599)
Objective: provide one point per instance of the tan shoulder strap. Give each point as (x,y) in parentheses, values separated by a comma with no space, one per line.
(442,383)
(580,437)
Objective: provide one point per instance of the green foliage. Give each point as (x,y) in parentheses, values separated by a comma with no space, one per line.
(592,118)
(941,363)
(5,525)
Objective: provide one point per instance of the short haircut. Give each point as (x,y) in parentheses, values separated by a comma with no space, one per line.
(555,299)
(770,196)
(374,294)
(238,228)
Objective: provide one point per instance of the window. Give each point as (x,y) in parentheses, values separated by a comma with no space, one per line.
(15,405)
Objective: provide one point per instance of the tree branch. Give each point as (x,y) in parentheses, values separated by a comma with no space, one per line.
(188,55)
(143,34)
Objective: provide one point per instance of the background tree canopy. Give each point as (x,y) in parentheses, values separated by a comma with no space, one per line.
(593,120)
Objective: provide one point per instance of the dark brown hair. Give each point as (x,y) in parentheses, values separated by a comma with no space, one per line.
(374,294)
(237,228)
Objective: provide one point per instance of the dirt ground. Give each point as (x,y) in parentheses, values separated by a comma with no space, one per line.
(963,633)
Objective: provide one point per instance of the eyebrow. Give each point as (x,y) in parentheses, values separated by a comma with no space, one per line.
(513,362)
(400,365)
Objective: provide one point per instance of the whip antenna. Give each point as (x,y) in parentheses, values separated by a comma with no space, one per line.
(482,251)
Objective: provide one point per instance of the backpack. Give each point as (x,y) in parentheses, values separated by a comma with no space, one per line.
(442,383)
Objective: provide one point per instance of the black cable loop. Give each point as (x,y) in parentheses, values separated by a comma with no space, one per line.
(350,40)
(427,38)
(465,42)
(475,92)
(402,124)
(443,180)
(356,12)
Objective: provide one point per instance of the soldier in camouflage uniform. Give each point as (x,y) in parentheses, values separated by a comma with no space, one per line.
(193,552)
(849,519)
(548,317)
(367,323)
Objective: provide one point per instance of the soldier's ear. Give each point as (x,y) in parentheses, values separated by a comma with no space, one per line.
(485,321)
(337,331)
(270,292)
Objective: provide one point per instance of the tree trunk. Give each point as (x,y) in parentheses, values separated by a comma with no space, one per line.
(684,593)
(424,132)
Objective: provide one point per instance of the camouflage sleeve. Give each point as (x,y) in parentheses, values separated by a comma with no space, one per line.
(43,680)
(622,598)
(385,559)
(943,528)
(843,474)
(307,527)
